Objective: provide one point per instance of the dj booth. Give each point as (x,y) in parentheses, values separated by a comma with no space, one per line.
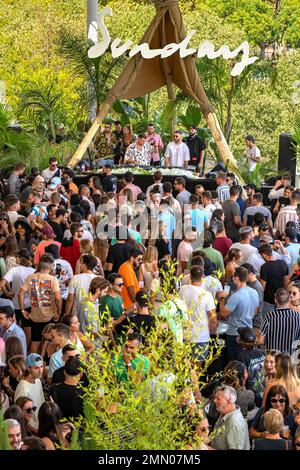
(145,180)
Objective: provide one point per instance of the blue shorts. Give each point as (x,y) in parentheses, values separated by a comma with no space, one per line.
(200,351)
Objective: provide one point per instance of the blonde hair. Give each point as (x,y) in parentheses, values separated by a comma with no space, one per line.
(273,421)
(101,248)
(48,328)
(87,247)
(285,372)
(151,254)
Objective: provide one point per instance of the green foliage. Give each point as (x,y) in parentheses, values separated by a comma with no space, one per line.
(4,443)
(98,74)
(15,145)
(150,413)
(40,105)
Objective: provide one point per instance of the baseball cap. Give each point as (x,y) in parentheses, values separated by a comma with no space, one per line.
(34,359)
(291,233)
(264,227)
(48,231)
(266,239)
(246,229)
(56,181)
(24,253)
(250,137)
(247,335)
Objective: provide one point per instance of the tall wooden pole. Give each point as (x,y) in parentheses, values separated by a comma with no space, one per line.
(89,135)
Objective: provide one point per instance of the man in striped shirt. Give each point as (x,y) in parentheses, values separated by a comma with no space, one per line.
(288,213)
(280,328)
(223,188)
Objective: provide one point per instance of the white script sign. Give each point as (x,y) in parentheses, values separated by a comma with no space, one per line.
(206,48)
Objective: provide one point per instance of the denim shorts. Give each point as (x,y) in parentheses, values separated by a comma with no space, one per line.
(200,351)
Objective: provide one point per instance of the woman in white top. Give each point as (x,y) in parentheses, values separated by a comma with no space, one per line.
(87,248)
(149,268)
(83,344)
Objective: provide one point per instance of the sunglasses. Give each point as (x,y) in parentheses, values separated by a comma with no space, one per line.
(30,410)
(206,429)
(281,400)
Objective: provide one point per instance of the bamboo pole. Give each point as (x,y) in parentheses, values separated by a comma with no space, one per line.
(78,155)
(223,147)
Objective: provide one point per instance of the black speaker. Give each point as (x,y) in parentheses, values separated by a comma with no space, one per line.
(219,167)
(287,157)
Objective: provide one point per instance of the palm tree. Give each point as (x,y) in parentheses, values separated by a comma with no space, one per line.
(41,104)
(99,73)
(223,90)
(15,144)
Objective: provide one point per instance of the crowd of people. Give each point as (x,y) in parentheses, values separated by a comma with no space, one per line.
(83,269)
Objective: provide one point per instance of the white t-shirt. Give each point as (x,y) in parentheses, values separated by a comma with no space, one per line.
(184,253)
(209,209)
(210,283)
(17,276)
(63,272)
(35,393)
(79,286)
(13,216)
(246,249)
(177,153)
(47,174)
(199,302)
(254,152)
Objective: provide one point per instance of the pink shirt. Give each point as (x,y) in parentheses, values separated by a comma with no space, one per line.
(136,190)
(157,139)
(40,250)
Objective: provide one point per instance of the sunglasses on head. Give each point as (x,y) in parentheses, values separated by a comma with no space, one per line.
(30,410)
(280,400)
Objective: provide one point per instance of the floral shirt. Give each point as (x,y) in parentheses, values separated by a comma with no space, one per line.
(142,156)
(105,148)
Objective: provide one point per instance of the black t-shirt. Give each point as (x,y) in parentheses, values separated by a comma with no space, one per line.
(162,248)
(109,183)
(68,398)
(139,323)
(272,444)
(118,254)
(195,145)
(58,377)
(58,229)
(273,272)
(254,360)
